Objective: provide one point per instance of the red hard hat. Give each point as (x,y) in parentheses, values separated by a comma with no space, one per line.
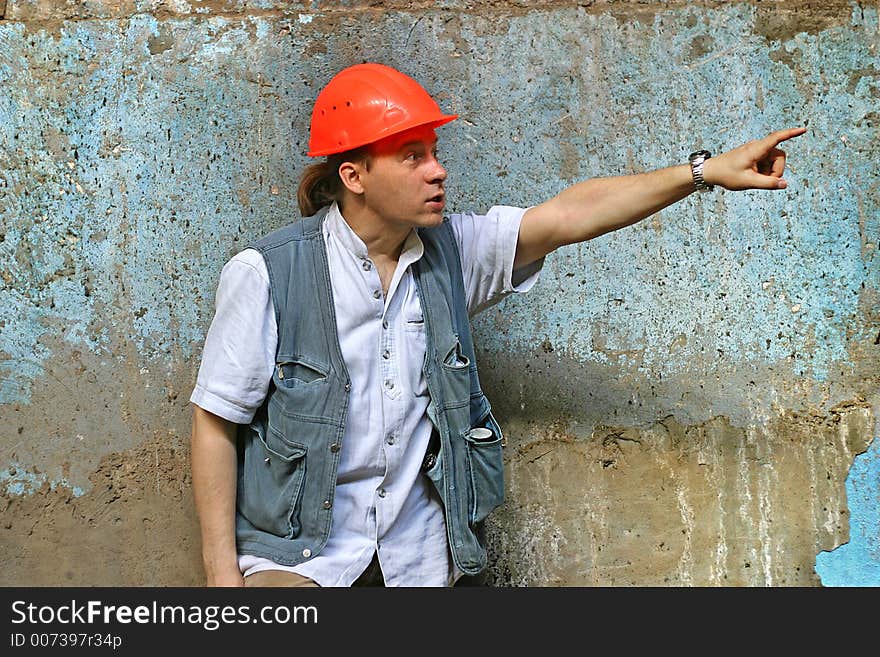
(368,102)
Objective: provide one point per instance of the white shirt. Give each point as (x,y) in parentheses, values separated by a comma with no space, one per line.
(382,501)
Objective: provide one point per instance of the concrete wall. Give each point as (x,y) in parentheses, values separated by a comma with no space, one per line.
(692,400)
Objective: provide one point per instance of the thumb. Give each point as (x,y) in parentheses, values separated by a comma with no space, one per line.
(760,181)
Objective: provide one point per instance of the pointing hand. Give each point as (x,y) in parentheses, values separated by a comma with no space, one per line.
(757,164)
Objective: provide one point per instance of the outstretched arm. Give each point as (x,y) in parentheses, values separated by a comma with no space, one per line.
(600,205)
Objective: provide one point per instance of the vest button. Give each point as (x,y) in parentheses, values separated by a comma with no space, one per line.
(327,504)
(347,387)
(334,447)
(307,553)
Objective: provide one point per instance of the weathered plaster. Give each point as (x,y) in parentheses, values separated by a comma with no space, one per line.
(674,505)
(857,563)
(730,343)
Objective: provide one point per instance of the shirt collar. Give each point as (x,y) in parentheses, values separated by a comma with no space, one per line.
(336,225)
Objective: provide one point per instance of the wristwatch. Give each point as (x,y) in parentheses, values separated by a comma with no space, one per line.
(697,159)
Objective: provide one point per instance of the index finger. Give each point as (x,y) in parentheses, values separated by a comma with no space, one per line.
(775,138)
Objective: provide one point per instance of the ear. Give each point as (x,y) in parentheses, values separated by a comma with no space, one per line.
(350,173)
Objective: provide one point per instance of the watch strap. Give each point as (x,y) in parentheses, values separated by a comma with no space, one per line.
(697,159)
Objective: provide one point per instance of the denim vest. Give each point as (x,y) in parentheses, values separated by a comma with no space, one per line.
(288,456)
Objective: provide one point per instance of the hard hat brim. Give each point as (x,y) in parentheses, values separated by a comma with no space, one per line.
(434,123)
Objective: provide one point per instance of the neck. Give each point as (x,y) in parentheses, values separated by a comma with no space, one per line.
(382,238)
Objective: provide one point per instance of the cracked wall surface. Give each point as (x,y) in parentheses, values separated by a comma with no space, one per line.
(688,401)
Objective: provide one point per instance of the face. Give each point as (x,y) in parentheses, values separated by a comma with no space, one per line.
(404,182)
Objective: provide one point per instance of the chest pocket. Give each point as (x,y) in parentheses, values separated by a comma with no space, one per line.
(413,362)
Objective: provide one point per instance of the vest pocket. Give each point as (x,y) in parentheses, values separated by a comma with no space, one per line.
(485,463)
(273,474)
(456,369)
(298,371)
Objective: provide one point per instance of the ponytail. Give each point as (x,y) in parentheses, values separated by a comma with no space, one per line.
(320,184)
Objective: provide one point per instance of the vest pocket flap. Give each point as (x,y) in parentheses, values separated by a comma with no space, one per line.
(455,358)
(491,424)
(482,437)
(294,370)
(276,445)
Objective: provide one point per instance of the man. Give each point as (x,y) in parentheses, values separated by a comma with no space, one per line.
(340,435)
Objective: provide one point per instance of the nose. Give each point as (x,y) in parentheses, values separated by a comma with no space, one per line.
(436,172)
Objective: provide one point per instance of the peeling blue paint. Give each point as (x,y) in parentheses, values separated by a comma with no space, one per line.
(158,176)
(127,177)
(857,563)
(21,482)
(92,200)
(743,276)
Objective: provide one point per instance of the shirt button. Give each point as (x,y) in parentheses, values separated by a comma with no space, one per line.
(334,447)
(386,354)
(384,323)
(390,440)
(307,553)
(377,294)
(382,492)
(389,384)
(366,265)
(327,504)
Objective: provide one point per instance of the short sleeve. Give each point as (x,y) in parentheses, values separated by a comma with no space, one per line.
(239,352)
(487,244)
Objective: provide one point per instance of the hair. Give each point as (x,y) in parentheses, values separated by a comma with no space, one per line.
(320,183)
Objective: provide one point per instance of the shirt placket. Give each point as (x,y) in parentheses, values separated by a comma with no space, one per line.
(392,408)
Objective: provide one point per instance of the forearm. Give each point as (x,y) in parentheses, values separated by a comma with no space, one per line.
(214,476)
(601,205)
